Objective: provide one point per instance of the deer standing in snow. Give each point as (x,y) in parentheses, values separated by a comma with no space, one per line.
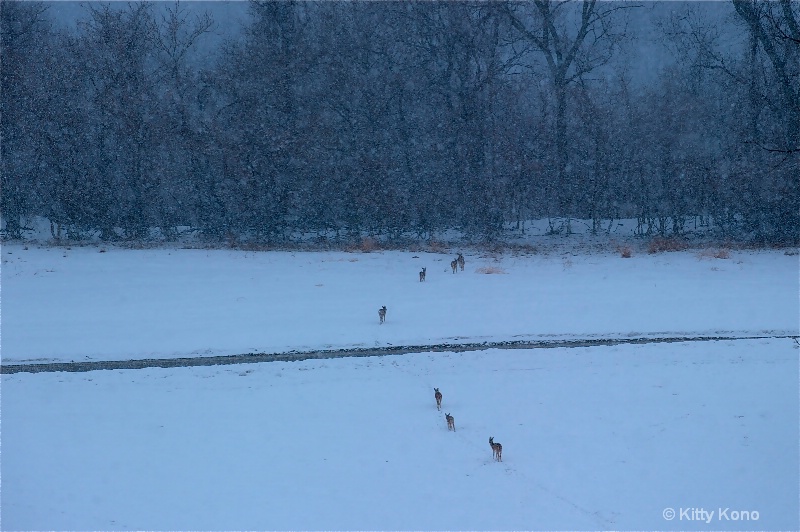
(382,313)
(451,422)
(422,275)
(438,396)
(454,265)
(497,450)
(460,260)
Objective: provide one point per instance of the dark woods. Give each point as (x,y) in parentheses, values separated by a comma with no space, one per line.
(400,119)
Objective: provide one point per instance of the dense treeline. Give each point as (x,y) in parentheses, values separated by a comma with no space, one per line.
(398,118)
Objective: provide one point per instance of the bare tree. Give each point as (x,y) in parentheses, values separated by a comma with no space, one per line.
(573,45)
(177,120)
(775,27)
(24,45)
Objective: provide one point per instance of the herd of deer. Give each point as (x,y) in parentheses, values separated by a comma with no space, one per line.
(454,265)
(458,262)
(497,449)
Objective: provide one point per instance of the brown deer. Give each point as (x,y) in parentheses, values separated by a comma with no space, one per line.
(422,275)
(454,265)
(382,313)
(438,395)
(497,450)
(451,422)
(460,260)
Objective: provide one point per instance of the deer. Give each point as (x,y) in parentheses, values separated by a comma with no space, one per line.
(460,260)
(451,422)
(382,313)
(438,395)
(497,450)
(454,265)
(422,275)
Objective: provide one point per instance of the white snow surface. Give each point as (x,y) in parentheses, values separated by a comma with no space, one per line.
(594,438)
(80,304)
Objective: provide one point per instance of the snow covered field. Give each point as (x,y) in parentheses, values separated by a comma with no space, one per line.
(593,438)
(80,304)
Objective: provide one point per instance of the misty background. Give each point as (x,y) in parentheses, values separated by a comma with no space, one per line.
(270,121)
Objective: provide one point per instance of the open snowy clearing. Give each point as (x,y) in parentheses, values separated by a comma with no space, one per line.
(80,304)
(593,438)
(604,437)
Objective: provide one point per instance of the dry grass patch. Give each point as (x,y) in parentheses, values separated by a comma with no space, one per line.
(661,244)
(495,248)
(369,245)
(435,246)
(489,270)
(365,245)
(722,253)
(523,249)
(624,250)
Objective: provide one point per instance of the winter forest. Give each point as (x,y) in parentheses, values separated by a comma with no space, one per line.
(402,119)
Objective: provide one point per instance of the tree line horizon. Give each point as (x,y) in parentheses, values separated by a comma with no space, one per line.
(399,118)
